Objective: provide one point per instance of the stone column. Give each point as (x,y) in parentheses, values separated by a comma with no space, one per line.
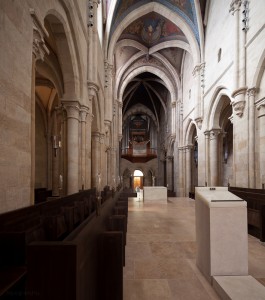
(103,160)
(261,118)
(108,92)
(169,160)
(93,43)
(39,50)
(120,120)
(108,150)
(64,152)
(88,150)
(83,118)
(72,108)
(251,140)
(55,156)
(197,93)
(95,158)
(239,60)
(207,157)
(33,101)
(214,159)
(234,9)
(113,165)
(173,121)
(188,149)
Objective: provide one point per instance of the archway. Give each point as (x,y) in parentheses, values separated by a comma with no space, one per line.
(138,179)
(220,141)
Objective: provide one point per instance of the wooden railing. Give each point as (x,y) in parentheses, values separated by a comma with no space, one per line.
(255,199)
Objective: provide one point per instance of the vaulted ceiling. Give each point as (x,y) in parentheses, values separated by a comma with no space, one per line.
(150,40)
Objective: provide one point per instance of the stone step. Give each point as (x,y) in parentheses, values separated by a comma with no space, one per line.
(238,288)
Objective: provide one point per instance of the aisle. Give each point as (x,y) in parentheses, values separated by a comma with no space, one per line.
(161,252)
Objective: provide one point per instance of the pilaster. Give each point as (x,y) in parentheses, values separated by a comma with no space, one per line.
(251,139)
(83,119)
(39,50)
(261,120)
(214,157)
(207,162)
(72,109)
(90,117)
(188,152)
(197,72)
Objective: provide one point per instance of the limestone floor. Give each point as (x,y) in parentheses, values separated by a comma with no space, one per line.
(161,251)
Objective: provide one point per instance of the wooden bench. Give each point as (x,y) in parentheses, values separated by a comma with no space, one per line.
(255,199)
(65,249)
(43,222)
(82,266)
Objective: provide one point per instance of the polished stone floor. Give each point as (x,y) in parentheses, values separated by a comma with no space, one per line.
(161,251)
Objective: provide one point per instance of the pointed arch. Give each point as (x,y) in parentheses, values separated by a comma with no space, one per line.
(213,113)
(259,71)
(159,73)
(189,132)
(59,27)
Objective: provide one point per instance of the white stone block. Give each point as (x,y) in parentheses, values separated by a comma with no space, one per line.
(155,193)
(238,288)
(221,229)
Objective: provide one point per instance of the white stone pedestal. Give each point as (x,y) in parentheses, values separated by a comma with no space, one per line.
(155,194)
(221,230)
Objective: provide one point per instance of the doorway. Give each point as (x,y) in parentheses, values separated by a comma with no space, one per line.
(138,179)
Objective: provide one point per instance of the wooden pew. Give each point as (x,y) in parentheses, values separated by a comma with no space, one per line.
(111,266)
(46,221)
(74,267)
(255,199)
(41,195)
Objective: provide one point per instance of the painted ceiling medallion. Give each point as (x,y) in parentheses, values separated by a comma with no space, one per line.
(151,32)
(152,29)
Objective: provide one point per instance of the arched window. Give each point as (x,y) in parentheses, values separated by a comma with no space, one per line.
(138,173)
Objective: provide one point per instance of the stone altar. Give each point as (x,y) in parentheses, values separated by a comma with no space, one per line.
(155,193)
(221,232)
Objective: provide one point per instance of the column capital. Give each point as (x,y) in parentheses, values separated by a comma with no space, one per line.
(101,138)
(197,69)
(188,147)
(239,107)
(84,110)
(90,117)
(170,157)
(39,32)
(107,65)
(207,133)
(93,88)
(251,92)
(239,101)
(72,109)
(235,6)
(96,136)
(261,108)
(199,121)
(214,133)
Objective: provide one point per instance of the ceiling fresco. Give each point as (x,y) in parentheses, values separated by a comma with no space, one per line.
(185,8)
(152,29)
